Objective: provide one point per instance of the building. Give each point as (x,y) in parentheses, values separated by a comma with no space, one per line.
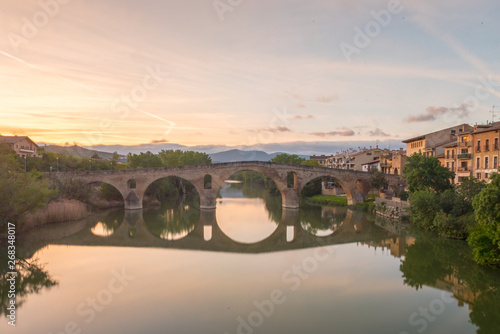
(22,145)
(433,144)
(486,150)
(323,160)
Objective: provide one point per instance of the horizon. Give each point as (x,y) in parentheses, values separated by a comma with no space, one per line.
(246,75)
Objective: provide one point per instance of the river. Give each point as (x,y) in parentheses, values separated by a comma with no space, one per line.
(246,267)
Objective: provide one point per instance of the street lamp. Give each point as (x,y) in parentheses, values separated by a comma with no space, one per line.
(57,164)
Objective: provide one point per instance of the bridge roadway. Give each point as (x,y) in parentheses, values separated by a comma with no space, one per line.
(134,232)
(208,179)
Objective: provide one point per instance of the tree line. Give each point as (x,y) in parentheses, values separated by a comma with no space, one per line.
(469,210)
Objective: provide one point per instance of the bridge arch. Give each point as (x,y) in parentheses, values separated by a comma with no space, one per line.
(176,180)
(279,180)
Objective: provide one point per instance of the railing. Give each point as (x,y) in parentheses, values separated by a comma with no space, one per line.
(463,169)
(464,156)
(465,144)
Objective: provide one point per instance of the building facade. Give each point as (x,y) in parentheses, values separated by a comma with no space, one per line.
(22,145)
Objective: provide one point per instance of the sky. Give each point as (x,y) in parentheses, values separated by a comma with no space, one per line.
(238,72)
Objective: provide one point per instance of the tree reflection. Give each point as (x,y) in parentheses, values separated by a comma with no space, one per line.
(174,220)
(319,220)
(109,223)
(433,261)
(31,278)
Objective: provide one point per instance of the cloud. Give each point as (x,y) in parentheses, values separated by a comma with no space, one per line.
(432,113)
(300,105)
(159,141)
(303,117)
(276,129)
(326,99)
(378,133)
(345,133)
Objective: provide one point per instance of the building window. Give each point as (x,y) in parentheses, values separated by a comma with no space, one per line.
(478,163)
(478,176)
(453,166)
(453,154)
(487,145)
(495,162)
(448,165)
(496,144)
(447,154)
(486,175)
(478,148)
(486,162)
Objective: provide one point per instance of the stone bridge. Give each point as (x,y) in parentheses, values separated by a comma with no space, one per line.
(208,179)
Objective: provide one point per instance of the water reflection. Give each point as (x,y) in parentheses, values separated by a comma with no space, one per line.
(108,223)
(425,261)
(247,214)
(174,220)
(322,221)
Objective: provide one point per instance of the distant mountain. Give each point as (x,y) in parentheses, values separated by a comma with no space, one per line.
(239,155)
(81,152)
(299,148)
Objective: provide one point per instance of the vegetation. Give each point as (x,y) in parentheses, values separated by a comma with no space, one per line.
(470,210)
(378,180)
(423,173)
(328,200)
(485,237)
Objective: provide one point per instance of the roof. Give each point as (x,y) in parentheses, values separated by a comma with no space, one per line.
(486,128)
(15,139)
(371,162)
(455,144)
(450,128)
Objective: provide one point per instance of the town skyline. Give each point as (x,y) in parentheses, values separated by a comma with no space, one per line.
(210,73)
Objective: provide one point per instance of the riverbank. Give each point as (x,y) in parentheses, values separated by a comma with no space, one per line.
(334,200)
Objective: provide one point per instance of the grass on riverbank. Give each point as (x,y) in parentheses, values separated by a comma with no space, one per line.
(332,200)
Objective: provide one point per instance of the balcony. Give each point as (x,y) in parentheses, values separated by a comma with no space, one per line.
(463,169)
(486,148)
(464,156)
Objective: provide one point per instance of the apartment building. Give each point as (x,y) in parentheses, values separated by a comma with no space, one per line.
(22,145)
(486,150)
(433,144)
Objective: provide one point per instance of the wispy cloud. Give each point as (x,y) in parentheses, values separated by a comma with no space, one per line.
(274,130)
(159,141)
(303,117)
(378,133)
(326,99)
(432,113)
(344,133)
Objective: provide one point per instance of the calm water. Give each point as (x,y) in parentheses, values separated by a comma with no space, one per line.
(247,267)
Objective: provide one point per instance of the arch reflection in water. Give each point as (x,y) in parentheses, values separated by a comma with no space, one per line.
(248,214)
(322,221)
(174,220)
(108,224)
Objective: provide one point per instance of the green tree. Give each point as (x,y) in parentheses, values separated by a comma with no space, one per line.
(424,207)
(485,238)
(378,180)
(144,160)
(423,172)
(291,159)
